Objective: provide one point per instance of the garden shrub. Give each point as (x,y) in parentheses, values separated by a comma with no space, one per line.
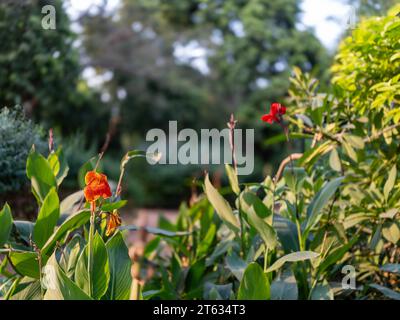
(17,135)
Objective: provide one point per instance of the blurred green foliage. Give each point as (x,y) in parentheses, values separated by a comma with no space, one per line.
(17,135)
(40,69)
(367,67)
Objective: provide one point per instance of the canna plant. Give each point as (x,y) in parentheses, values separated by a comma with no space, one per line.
(74,249)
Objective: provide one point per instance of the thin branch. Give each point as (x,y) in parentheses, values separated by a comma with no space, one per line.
(284,163)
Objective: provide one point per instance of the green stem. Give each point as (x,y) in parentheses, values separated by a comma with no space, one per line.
(90,255)
(265,259)
(299,235)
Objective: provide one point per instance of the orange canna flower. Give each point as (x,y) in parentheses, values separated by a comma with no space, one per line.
(96,186)
(114,221)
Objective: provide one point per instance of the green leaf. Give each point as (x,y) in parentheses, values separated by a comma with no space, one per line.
(87,166)
(250,201)
(293,257)
(156,231)
(233,179)
(266,231)
(386,291)
(24,230)
(236,265)
(41,175)
(391,232)
(336,255)
(47,218)
(254,284)
(27,289)
(25,263)
(6,223)
(349,151)
(334,160)
(100,275)
(284,287)
(314,210)
(221,206)
(355,141)
(59,286)
(109,207)
(322,292)
(70,204)
(120,269)
(287,233)
(58,164)
(73,222)
(310,156)
(389,184)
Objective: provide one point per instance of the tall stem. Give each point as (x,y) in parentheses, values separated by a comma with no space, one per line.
(90,245)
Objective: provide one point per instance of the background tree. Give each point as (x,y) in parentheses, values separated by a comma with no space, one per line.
(40,69)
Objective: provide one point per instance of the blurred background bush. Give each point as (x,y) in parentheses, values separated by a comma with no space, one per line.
(136,66)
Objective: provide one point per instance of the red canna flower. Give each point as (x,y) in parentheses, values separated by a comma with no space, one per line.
(275,113)
(96,186)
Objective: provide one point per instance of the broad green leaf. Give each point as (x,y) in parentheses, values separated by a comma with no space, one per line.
(70,255)
(355,141)
(284,287)
(195,279)
(59,165)
(391,232)
(233,179)
(220,205)
(47,218)
(334,160)
(389,184)
(287,234)
(24,230)
(294,177)
(236,265)
(41,175)
(87,166)
(250,202)
(6,223)
(73,222)
(100,275)
(354,219)
(386,291)
(109,207)
(266,231)
(322,292)
(390,214)
(70,204)
(254,284)
(59,286)
(25,263)
(293,257)
(27,289)
(120,269)
(314,210)
(349,151)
